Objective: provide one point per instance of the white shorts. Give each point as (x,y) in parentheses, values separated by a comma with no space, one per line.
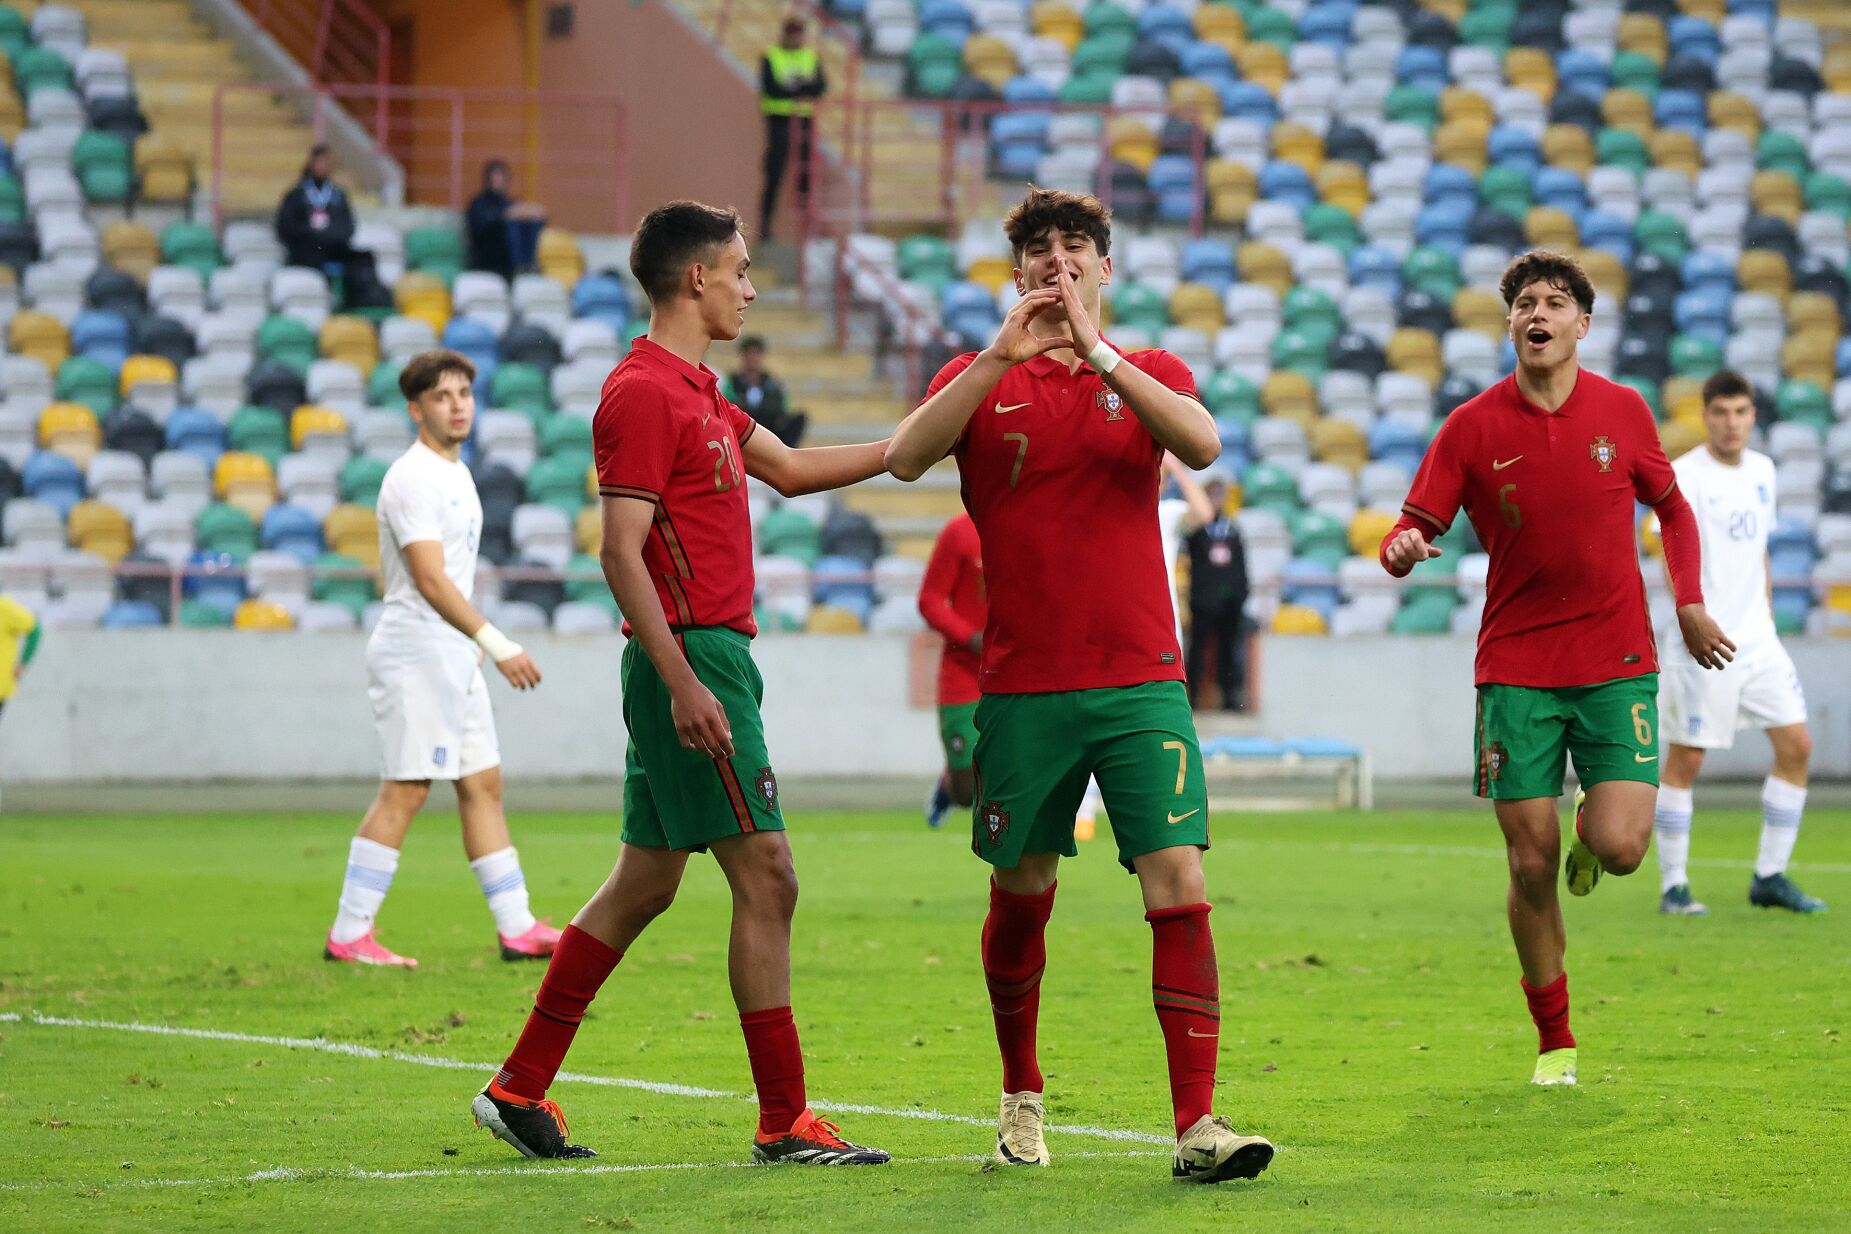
(1705,708)
(430,703)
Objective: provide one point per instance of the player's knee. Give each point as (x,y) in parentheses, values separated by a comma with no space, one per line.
(1794,749)
(1533,869)
(406,796)
(1626,856)
(768,888)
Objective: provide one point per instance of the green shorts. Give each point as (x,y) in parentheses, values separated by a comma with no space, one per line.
(957,728)
(1034,754)
(1609,729)
(672,796)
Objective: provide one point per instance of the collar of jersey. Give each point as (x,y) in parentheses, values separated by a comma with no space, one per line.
(699,376)
(1047,363)
(1569,406)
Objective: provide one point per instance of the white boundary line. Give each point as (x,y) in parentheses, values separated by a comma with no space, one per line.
(294,1174)
(351,1050)
(1366,847)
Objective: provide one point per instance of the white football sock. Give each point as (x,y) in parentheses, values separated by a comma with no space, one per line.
(370,867)
(1781,806)
(1093,802)
(1671,831)
(506,889)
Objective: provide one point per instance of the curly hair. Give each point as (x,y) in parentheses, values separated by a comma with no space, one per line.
(1044,210)
(1559,270)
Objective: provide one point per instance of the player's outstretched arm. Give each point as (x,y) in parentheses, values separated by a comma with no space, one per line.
(700,720)
(1677,524)
(927,435)
(424,562)
(1201,510)
(816,469)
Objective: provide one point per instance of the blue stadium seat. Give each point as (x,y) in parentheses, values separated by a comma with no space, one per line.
(131,615)
(476,340)
(1448,182)
(1247,100)
(1423,67)
(1581,72)
(961,298)
(1208,62)
(1288,182)
(1703,312)
(1173,180)
(1209,261)
(1025,89)
(1311,583)
(103,336)
(1162,20)
(293,530)
(54,479)
(1444,224)
(1681,109)
(196,432)
(947,19)
(1327,23)
(1515,148)
(843,582)
(1703,268)
(603,298)
(1392,441)
(1559,188)
(1694,37)
(1374,266)
(214,578)
(1600,230)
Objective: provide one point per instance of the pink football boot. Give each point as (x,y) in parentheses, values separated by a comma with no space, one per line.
(536,944)
(366,950)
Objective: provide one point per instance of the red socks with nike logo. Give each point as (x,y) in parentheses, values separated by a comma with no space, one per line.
(1185,985)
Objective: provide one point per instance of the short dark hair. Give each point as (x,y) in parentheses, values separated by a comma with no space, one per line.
(1559,270)
(1044,210)
(672,237)
(1725,383)
(751,342)
(424,370)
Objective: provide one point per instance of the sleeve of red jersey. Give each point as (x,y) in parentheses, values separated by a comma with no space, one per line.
(1439,488)
(1168,368)
(941,379)
(941,578)
(742,424)
(1654,482)
(633,440)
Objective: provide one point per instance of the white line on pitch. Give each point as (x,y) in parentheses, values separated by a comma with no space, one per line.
(1464,850)
(323,1046)
(293,1174)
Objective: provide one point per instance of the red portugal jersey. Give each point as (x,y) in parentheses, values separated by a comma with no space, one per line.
(666,435)
(1551,497)
(1061,480)
(952,601)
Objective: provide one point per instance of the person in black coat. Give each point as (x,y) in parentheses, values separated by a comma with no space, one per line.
(316,225)
(504,234)
(1217,598)
(762,396)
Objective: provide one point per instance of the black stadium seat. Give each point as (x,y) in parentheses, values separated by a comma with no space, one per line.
(526,343)
(273,384)
(134,432)
(19,246)
(163,336)
(109,288)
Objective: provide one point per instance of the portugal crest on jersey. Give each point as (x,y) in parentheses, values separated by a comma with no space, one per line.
(995,821)
(1603,451)
(1109,400)
(767,786)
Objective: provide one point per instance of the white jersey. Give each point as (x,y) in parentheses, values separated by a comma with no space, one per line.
(1172,512)
(425,496)
(1735,512)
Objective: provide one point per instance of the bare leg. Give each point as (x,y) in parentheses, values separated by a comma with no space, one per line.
(1533,847)
(1171,877)
(1682,763)
(1616,823)
(758,869)
(639,890)
(1792,753)
(1032,876)
(389,817)
(485,826)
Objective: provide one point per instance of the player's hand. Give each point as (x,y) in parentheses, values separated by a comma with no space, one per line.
(1408,548)
(1079,322)
(700,722)
(975,643)
(1014,341)
(522,673)
(1707,644)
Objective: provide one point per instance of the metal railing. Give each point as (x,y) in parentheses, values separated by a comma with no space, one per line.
(337,41)
(574,146)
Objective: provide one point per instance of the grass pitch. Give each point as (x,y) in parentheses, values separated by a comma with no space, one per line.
(1372,1026)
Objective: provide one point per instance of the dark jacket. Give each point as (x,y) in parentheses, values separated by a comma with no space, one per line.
(1217,565)
(305,243)
(487,223)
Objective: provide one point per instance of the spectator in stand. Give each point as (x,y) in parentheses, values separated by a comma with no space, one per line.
(1217,600)
(19,642)
(762,395)
(790,80)
(315,223)
(504,234)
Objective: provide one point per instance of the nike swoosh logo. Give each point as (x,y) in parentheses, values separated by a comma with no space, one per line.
(1003,409)
(1177,818)
(1640,758)
(1193,1033)
(1497,466)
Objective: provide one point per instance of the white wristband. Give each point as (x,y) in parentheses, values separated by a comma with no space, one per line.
(1103,358)
(498,645)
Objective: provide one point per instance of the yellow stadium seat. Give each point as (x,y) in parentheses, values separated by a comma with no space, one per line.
(1339,442)
(1675,150)
(310,422)
(1195,100)
(1414,350)
(70,429)
(1344,184)
(1680,437)
(1549,228)
(991,273)
(1367,531)
(131,248)
(1837,59)
(591,484)
(262,615)
(1298,619)
(1232,190)
(989,60)
(1644,33)
(1813,310)
(1451,10)
(238,470)
(164,168)
(148,370)
(1764,271)
(1811,356)
(1130,140)
(100,528)
(1710,10)
(1054,19)
(1649,543)
(828,619)
(425,297)
(39,335)
(1290,396)
(588,530)
(1220,20)
(1531,69)
(1462,103)
(1778,194)
(1294,143)
(1607,274)
(1264,264)
(1483,311)
(1629,110)
(1462,142)
(354,532)
(1265,65)
(560,257)
(1729,110)
(351,340)
(1676,389)
(1568,145)
(1197,307)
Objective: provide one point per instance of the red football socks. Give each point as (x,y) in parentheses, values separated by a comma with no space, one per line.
(1549,1008)
(777,1068)
(1015,952)
(1185,985)
(579,966)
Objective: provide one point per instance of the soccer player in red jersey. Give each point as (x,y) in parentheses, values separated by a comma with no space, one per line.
(1059,439)
(673,456)
(952,601)
(1548,464)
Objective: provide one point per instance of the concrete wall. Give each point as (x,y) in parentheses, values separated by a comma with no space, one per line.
(204,704)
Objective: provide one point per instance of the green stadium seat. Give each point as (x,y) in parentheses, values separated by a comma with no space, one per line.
(786,533)
(1311,311)
(559,480)
(226,529)
(38,67)
(1230,396)
(1693,357)
(1778,151)
(1321,538)
(382,386)
(1661,235)
(591,588)
(1141,307)
(90,382)
(562,433)
(1622,148)
(1805,403)
(1266,24)
(437,251)
(1103,17)
(194,245)
(1333,225)
(1268,486)
(104,167)
(198,615)
(934,65)
(1631,70)
(1505,189)
(286,339)
(1094,86)
(1102,53)
(1412,105)
(259,430)
(520,387)
(353,594)
(1487,27)
(1647,388)
(15,32)
(360,479)
(1301,351)
(1827,192)
(1434,271)
(1425,610)
(928,260)
(12,201)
